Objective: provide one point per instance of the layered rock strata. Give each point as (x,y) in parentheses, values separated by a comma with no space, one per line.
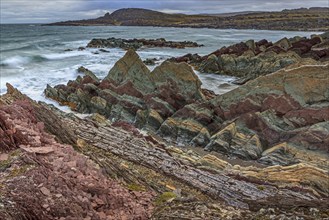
(43,179)
(298,187)
(277,119)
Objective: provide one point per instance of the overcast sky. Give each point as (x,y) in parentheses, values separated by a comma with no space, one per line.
(43,11)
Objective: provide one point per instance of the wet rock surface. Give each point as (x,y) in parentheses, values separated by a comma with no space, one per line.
(249,60)
(139,43)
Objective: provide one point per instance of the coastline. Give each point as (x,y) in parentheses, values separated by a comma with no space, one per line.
(153,142)
(201,27)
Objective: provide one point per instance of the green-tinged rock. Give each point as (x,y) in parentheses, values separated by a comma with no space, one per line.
(100,105)
(51,92)
(148,119)
(251,44)
(210,65)
(284,44)
(165,197)
(181,130)
(119,113)
(87,72)
(131,68)
(214,162)
(253,66)
(236,141)
(180,77)
(202,139)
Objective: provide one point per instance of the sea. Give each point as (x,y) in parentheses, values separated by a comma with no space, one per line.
(33,55)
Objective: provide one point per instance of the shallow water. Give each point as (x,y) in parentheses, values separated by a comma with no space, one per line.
(32,56)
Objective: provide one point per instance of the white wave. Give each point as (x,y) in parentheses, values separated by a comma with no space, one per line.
(15,61)
(59,56)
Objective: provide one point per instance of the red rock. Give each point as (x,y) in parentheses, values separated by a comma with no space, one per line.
(45,191)
(99,201)
(53,174)
(102,215)
(37,150)
(4,157)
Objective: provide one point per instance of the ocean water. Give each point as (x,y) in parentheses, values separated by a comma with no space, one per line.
(32,56)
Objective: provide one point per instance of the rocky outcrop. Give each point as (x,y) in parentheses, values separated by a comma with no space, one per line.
(131,90)
(139,43)
(289,106)
(43,179)
(248,60)
(252,191)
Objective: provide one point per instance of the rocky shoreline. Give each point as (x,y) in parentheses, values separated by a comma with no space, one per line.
(246,122)
(249,60)
(126,155)
(133,156)
(139,43)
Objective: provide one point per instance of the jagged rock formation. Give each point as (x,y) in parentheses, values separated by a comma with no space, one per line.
(275,119)
(130,89)
(138,43)
(312,19)
(287,106)
(248,60)
(300,187)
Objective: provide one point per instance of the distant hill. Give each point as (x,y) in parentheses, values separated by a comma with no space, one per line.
(303,19)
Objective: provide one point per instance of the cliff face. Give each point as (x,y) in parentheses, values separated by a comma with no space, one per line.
(313,19)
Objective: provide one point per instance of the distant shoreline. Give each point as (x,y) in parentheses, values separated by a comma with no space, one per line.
(292,30)
(103,25)
(313,19)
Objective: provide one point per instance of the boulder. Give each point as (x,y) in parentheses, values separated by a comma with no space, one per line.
(131,68)
(180,78)
(251,44)
(284,44)
(210,65)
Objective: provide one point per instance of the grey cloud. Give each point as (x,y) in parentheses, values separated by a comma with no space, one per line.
(21,11)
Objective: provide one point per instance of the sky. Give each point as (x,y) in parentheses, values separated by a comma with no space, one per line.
(45,11)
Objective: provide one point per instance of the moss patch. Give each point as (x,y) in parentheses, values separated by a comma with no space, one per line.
(136,187)
(164,197)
